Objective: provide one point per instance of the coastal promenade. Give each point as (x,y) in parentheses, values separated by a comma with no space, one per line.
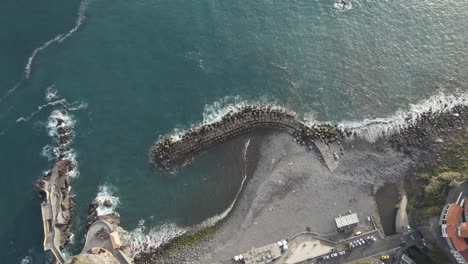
(52,216)
(169,153)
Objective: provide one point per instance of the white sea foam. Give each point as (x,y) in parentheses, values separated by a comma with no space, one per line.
(59,38)
(105,192)
(11,91)
(27,260)
(51,93)
(214,112)
(50,152)
(68,121)
(373,129)
(217,110)
(141,241)
(368,129)
(340,6)
(39,108)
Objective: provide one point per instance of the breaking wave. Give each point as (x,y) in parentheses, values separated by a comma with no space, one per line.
(214,112)
(368,129)
(61,150)
(373,129)
(26,260)
(144,242)
(57,39)
(106,193)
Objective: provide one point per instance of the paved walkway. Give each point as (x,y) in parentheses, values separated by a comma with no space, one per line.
(51,210)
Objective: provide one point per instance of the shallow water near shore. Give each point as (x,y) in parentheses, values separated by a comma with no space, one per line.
(135,70)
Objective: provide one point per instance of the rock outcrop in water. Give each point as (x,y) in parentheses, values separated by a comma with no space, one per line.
(168,153)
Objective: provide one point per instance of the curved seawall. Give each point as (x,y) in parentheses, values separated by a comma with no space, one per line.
(169,153)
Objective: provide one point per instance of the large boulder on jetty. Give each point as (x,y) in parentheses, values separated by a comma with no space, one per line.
(108,202)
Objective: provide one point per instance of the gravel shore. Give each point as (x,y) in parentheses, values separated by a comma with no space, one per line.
(291,190)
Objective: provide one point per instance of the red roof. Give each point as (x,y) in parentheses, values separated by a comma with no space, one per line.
(453,222)
(463,229)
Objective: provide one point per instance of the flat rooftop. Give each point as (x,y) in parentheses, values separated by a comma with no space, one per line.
(346,220)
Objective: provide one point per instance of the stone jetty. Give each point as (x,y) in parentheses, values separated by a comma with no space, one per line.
(58,205)
(169,154)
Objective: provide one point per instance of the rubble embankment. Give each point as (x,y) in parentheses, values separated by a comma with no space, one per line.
(168,153)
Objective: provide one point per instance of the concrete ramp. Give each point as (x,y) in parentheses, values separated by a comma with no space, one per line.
(327,155)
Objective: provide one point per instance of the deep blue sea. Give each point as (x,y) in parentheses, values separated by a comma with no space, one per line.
(126,72)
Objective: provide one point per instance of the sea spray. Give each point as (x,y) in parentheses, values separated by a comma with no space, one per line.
(106,193)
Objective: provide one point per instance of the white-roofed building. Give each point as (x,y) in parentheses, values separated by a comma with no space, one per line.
(347,222)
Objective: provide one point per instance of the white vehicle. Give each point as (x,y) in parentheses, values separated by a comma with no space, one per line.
(279,243)
(334,255)
(341,253)
(369,219)
(373,238)
(236,258)
(358,233)
(360,243)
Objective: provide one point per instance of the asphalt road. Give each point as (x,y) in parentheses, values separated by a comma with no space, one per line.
(388,246)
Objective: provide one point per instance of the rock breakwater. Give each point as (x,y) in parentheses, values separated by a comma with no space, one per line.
(168,153)
(55,185)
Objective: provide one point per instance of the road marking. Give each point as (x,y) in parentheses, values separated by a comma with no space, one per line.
(375,255)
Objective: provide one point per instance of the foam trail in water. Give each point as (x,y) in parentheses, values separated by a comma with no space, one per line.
(11,91)
(57,39)
(39,108)
(106,192)
(373,129)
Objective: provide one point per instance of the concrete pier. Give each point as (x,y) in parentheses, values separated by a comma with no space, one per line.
(168,153)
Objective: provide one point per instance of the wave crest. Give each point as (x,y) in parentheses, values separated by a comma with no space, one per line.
(373,129)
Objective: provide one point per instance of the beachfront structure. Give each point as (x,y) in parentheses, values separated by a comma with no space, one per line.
(455,228)
(347,222)
(264,254)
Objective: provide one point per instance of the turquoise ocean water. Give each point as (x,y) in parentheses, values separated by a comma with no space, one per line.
(131,71)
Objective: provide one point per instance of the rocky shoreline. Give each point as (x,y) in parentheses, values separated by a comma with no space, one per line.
(168,153)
